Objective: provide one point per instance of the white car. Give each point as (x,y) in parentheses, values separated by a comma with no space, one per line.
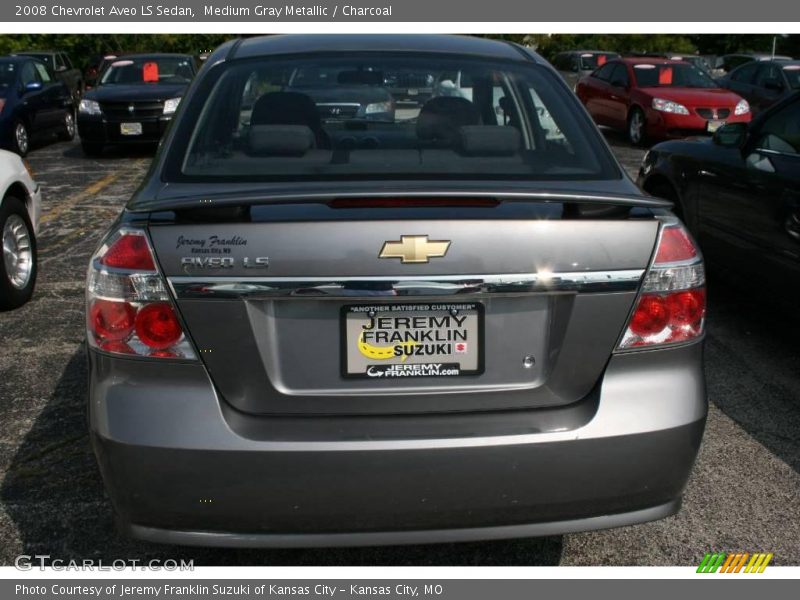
(20,206)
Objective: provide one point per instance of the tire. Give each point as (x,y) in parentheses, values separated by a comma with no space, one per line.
(67,131)
(637,127)
(18,265)
(91,148)
(20,138)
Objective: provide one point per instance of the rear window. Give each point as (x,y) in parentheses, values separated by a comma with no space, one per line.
(129,71)
(345,117)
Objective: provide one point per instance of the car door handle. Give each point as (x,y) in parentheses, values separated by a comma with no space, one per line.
(704,173)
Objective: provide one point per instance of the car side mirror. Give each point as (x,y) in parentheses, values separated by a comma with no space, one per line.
(773,85)
(33,86)
(732,135)
(61,69)
(619,83)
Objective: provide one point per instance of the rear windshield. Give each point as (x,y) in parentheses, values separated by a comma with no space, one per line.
(172,70)
(385,116)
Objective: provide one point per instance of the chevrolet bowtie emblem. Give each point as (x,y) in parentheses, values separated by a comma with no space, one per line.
(414,249)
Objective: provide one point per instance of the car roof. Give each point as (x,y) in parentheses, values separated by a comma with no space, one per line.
(652,60)
(590,51)
(150,55)
(446,44)
(30,52)
(17,58)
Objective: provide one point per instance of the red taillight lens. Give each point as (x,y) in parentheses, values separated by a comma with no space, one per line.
(129,307)
(157,326)
(686,308)
(675,246)
(651,315)
(130,251)
(111,321)
(672,305)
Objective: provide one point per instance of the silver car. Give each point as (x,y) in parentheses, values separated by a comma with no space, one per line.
(311,329)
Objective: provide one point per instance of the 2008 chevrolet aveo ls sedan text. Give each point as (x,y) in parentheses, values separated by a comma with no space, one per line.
(457,320)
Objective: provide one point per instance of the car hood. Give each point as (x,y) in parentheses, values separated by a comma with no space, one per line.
(362,94)
(709,97)
(137,92)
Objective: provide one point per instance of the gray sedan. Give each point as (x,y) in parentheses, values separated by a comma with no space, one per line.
(458,324)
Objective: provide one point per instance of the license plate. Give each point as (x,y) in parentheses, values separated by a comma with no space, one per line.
(413,91)
(399,341)
(130,128)
(712,126)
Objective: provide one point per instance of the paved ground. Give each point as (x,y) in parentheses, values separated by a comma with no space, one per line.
(743,494)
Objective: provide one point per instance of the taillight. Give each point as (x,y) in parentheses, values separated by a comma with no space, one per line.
(128,308)
(671,307)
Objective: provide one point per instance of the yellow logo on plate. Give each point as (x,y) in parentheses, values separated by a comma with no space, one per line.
(381,352)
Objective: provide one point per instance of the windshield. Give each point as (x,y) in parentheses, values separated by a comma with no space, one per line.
(589,62)
(271,120)
(149,70)
(792,73)
(671,75)
(8,74)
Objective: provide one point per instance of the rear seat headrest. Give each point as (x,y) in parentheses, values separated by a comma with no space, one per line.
(280,140)
(489,140)
(440,117)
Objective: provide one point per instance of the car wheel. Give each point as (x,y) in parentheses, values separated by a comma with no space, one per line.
(18,264)
(637,127)
(91,148)
(22,142)
(67,132)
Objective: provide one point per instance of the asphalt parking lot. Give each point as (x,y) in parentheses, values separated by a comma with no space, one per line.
(743,495)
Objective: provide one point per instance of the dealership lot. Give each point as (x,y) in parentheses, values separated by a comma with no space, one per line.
(742,496)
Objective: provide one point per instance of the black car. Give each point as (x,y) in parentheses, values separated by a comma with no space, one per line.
(575,64)
(739,192)
(60,64)
(762,84)
(32,102)
(728,62)
(134,101)
(95,67)
(344,94)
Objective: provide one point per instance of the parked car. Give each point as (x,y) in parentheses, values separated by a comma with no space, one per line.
(20,204)
(575,64)
(96,66)
(32,102)
(60,64)
(728,62)
(762,84)
(446,335)
(134,101)
(740,194)
(658,98)
(342,93)
(410,87)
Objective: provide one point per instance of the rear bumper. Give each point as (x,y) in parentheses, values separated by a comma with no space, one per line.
(180,469)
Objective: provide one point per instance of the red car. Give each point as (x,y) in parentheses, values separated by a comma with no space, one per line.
(658,98)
